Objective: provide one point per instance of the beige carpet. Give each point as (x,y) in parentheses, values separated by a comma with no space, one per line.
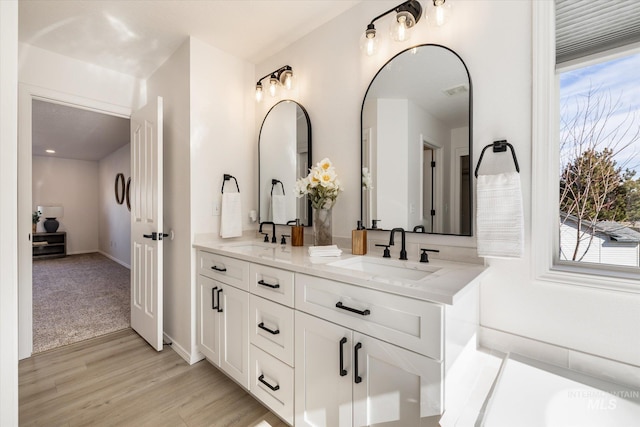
(78,297)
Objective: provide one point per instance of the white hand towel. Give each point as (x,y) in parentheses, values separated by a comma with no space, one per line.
(231,215)
(499,216)
(330,250)
(279,208)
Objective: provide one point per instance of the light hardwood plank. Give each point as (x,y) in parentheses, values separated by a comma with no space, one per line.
(119,380)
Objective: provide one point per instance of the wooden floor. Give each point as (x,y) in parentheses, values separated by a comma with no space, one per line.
(119,380)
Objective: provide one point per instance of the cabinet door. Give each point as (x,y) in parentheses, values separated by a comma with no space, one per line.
(322,385)
(234,335)
(393,386)
(208,324)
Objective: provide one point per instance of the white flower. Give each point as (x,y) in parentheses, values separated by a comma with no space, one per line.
(367,181)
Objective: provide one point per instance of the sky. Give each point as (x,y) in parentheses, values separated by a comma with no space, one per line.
(620,78)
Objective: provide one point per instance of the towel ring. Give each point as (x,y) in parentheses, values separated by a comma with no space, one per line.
(227,177)
(275,182)
(498,147)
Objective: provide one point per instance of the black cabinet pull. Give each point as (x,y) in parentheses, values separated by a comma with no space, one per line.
(261,379)
(353,310)
(358,378)
(268,285)
(343,371)
(216,268)
(218,307)
(213,298)
(264,328)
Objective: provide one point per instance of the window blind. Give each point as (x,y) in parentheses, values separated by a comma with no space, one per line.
(587,27)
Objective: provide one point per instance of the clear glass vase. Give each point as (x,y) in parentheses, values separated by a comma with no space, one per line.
(322,227)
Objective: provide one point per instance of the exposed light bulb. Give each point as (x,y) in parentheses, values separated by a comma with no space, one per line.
(259,92)
(287,79)
(369,41)
(401,26)
(440,14)
(273,85)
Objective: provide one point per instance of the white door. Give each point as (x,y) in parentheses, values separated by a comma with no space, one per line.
(146,222)
(234,335)
(394,386)
(208,319)
(323,373)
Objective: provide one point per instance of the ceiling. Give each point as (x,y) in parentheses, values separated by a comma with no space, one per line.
(75,133)
(136,36)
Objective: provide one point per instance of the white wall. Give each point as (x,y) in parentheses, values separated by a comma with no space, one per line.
(114,220)
(8,214)
(72,184)
(494,40)
(171,81)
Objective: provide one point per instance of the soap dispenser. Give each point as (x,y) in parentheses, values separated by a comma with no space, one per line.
(297,234)
(359,240)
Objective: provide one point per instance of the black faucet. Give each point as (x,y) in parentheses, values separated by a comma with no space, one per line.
(419,228)
(403,250)
(273,232)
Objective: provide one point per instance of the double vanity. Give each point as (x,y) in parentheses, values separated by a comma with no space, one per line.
(335,341)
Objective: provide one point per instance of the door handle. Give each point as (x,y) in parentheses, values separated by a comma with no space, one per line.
(264,328)
(155,236)
(343,371)
(218,307)
(213,298)
(358,378)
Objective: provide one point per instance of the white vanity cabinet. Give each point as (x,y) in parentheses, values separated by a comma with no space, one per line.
(346,378)
(321,351)
(223,313)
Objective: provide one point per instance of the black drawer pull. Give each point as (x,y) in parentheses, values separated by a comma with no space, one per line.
(353,310)
(213,298)
(358,378)
(343,371)
(261,379)
(218,307)
(264,328)
(216,268)
(268,285)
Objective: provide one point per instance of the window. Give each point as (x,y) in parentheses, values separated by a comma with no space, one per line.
(557,71)
(599,153)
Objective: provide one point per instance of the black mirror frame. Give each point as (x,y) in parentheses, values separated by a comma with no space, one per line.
(119,188)
(470,131)
(309,156)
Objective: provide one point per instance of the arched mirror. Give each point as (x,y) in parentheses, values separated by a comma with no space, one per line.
(284,151)
(416,143)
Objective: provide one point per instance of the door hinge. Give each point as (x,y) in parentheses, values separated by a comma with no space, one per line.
(433,164)
(433,212)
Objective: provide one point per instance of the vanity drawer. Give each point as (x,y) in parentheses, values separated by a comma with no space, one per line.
(227,270)
(413,324)
(271,328)
(267,374)
(272,283)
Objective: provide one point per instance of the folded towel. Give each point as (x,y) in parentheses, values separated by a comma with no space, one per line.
(279,208)
(331,250)
(499,216)
(231,215)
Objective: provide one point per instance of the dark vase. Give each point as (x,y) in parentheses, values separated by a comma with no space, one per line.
(51,225)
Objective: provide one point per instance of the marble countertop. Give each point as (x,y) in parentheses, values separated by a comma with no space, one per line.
(446,282)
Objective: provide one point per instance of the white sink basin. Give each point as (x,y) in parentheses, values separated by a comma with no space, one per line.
(391,269)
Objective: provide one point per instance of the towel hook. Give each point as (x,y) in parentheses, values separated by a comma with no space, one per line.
(227,177)
(498,147)
(275,182)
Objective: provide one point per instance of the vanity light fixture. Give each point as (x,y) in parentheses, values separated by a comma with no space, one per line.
(407,15)
(283,76)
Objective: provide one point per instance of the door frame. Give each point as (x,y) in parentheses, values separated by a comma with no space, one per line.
(26,94)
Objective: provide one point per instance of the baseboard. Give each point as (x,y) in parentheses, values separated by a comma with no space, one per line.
(112,258)
(188,357)
(596,366)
